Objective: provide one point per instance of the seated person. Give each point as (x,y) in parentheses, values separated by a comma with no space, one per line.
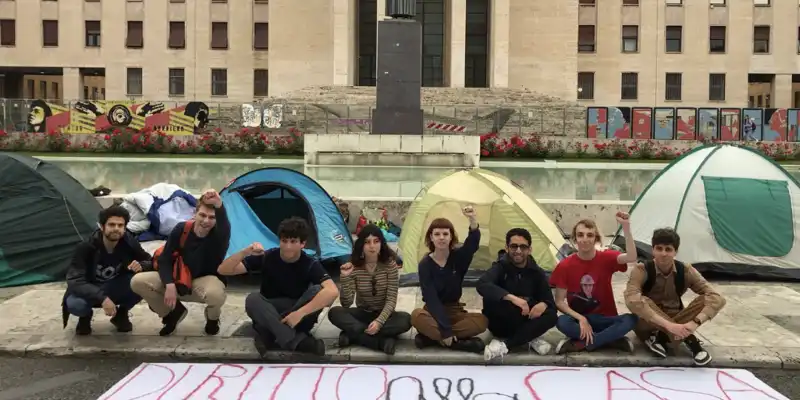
(201,245)
(294,290)
(100,273)
(443,320)
(584,294)
(654,294)
(517,299)
(371,278)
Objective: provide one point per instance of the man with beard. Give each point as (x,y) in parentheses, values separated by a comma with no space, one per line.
(517,299)
(200,245)
(101,271)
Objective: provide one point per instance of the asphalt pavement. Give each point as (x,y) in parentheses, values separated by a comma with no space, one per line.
(89,378)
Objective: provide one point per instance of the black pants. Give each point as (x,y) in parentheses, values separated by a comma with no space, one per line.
(354,321)
(267,314)
(506,321)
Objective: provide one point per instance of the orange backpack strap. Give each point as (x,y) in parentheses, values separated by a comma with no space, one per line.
(187,227)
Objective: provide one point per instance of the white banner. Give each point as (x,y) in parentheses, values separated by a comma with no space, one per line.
(428,382)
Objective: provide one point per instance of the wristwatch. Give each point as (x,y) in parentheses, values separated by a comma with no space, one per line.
(697,321)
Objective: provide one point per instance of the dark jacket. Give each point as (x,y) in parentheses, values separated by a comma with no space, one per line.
(81,274)
(201,255)
(505,278)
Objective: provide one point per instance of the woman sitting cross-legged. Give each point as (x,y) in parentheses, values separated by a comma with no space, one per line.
(444,320)
(371,277)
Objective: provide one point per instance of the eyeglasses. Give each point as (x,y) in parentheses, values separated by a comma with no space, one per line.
(521,247)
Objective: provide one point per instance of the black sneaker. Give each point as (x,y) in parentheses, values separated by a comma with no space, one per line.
(471,345)
(700,356)
(422,341)
(656,345)
(344,340)
(625,344)
(84,326)
(311,345)
(172,319)
(570,346)
(122,321)
(389,345)
(212,327)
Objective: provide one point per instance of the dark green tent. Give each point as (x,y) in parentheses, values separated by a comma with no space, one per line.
(44,214)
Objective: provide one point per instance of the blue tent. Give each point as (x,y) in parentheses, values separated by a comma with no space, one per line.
(259,200)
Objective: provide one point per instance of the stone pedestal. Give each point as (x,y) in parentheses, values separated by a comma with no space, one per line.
(454,151)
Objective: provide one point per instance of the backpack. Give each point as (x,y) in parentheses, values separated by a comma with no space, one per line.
(180,272)
(680,279)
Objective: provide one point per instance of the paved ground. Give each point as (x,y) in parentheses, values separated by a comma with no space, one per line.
(87,379)
(759,328)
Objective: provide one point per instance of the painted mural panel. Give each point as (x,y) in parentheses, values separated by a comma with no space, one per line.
(619,122)
(664,128)
(730,125)
(775,128)
(708,123)
(792,115)
(642,127)
(685,123)
(752,120)
(597,123)
(92,116)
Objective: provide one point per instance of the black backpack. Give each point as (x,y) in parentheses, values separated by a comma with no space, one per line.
(680,279)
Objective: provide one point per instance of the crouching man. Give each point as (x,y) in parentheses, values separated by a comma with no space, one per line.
(195,249)
(517,299)
(654,293)
(100,273)
(294,290)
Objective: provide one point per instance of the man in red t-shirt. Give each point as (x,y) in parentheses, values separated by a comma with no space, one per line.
(582,284)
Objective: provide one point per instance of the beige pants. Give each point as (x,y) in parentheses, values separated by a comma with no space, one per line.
(208,290)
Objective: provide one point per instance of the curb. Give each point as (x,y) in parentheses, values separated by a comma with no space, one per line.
(188,349)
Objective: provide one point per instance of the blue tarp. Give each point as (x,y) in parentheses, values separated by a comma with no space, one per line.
(333,238)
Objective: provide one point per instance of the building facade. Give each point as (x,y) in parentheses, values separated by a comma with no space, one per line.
(699,53)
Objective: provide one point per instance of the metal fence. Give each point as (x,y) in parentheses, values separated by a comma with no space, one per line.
(317,118)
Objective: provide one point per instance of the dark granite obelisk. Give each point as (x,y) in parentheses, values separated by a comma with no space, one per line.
(399,81)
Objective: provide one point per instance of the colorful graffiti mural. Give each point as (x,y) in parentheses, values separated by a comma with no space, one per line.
(90,116)
(690,123)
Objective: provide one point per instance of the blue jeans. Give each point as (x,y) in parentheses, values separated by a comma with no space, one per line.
(606,329)
(117,289)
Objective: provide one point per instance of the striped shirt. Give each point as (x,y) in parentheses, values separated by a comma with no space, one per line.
(376,292)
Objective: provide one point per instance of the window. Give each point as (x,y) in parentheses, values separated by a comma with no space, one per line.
(8,32)
(630,86)
(476,63)
(43,90)
(134,82)
(430,13)
(261,36)
(177,35)
(585,85)
(673,36)
(54,87)
(176,81)
(630,39)
(219,82)
(674,2)
(586,2)
(92,33)
(673,86)
(586,39)
(716,38)
(367,42)
(261,83)
(135,38)
(86,93)
(50,33)
(717,3)
(716,87)
(761,3)
(630,2)
(761,39)
(219,35)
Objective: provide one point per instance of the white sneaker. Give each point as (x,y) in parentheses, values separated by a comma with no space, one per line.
(540,346)
(495,349)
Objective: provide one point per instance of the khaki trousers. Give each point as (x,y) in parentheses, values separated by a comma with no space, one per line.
(208,290)
(644,329)
(464,324)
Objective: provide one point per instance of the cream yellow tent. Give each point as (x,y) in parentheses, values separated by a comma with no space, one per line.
(500,204)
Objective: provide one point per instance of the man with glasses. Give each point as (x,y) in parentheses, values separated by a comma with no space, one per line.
(517,299)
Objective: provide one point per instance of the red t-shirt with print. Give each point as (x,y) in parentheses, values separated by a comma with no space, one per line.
(588,283)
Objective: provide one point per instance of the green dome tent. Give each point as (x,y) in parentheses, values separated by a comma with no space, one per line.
(737,213)
(44,213)
(500,204)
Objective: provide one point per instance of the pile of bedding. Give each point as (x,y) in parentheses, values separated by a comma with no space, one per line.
(156,210)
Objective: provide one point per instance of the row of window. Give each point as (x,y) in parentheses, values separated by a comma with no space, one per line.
(134,37)
(673,36)
(629,86)
(219,82)
(592,3)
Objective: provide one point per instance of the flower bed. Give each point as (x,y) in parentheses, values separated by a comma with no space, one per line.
(246,141)
(537,147)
